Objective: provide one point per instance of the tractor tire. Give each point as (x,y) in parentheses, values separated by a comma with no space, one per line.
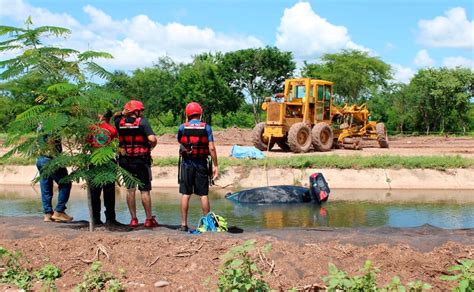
(382,137)
(258,140)
(322,137)
(299,138)
(283,144)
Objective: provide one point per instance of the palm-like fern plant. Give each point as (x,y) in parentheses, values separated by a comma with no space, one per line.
(64,109)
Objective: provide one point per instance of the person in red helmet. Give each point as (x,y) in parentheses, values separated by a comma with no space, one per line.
(136,139)
(196,145)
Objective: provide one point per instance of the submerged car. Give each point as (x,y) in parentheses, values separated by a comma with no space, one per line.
(318,192)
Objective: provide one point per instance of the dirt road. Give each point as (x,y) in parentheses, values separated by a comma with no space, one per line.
(298,257)
(404,146)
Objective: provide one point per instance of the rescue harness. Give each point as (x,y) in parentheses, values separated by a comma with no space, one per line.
(195,141)
(132,139)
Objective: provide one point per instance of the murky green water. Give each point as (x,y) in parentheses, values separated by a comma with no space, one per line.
(26,202)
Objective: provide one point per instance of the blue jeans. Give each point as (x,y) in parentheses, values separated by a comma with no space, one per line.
(46,184)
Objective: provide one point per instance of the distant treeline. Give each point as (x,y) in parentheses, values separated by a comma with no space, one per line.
(232,86)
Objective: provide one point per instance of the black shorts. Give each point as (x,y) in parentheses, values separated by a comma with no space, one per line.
(140,169)
(194,178)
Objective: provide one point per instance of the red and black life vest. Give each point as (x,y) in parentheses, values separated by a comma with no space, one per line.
(194,139)
(132,138)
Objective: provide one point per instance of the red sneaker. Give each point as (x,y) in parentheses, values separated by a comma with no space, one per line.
(134,222)
(151,222)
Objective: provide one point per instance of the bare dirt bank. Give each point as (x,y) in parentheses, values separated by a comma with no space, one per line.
(300,256)
(239,177)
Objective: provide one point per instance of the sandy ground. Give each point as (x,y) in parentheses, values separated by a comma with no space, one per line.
(405,146)
(298,258)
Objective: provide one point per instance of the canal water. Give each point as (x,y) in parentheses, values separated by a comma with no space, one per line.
(370,211)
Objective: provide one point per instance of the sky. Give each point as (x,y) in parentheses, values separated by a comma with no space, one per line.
(408,35)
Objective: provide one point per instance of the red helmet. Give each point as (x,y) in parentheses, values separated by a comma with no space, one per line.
(134,105)
(193,108)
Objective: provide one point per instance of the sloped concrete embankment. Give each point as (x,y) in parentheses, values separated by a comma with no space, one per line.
(239,177)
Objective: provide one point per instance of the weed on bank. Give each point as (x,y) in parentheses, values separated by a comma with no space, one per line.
(317,161)
(341,162)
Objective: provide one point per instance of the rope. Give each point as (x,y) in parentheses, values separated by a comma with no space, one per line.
(266,158)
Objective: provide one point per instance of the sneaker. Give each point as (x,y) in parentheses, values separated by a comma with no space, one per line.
(183,228)
(134,222)
(151,222)
(61,217)
(47,217)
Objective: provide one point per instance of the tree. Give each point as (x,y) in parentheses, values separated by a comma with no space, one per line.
(443,98)
(255,73)
(356,75)
(153,85)
(18,95)
(65,107)
(395,106)
(201,81)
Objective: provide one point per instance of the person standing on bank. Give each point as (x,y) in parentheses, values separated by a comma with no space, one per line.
(136,139)
(101,135)
(51,147)
(196,144)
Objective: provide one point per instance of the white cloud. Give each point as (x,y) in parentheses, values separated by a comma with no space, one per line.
(423,59)
(19,11)
(308,35)
(453,30)
(453,62)
(402,74)
(135,42)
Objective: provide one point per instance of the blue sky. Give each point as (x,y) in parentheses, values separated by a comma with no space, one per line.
(406,34)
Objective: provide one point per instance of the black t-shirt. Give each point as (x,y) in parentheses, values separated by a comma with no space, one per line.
(144,125)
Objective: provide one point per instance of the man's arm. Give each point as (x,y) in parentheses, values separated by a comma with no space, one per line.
(149,133)
(215,164)
(152,140)
(213,152)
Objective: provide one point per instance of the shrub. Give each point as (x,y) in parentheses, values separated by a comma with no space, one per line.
(14,273)
(239,272)
(464,275)
(96,279)
(48,275)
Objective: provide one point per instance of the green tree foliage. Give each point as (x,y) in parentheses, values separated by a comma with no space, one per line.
(19,94)
(396,106)
(443,97)
(356,74)
(201,81)
(65,107)
(256,73)
(155,87)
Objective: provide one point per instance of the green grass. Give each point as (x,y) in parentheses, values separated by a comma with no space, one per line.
(319,161)
(343,162)
(18,161)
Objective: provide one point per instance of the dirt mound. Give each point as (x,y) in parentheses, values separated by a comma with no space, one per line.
(228,136)
(233,136)
(299,257)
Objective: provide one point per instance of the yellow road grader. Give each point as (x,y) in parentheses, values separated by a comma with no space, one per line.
(304,117)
